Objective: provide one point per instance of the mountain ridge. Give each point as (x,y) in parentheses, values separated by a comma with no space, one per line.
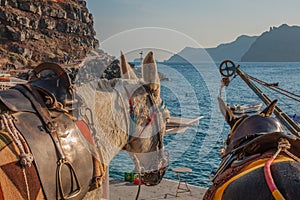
(232,50)
(278,44)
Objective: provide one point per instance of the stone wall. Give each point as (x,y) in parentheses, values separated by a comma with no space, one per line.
(34,31)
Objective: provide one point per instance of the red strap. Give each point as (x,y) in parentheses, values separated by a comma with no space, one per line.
(268,175)
(85,131)
(152,118)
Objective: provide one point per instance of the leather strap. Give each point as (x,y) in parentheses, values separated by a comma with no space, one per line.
(30,92)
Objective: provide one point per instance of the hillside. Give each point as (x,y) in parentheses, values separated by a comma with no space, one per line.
(191,55)
(233,50)
(280,44)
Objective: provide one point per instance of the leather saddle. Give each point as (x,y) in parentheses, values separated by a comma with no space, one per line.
(63,161)
(54,84)
(257,134)
(252,138)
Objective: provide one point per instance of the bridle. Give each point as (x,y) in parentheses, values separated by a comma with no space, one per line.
(153,119)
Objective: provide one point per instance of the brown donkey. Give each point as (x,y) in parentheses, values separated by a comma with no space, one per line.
(260,160)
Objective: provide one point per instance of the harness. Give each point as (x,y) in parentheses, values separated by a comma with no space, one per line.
(234,165)
(251,167)
(152,118)
(262,162)
(283,146)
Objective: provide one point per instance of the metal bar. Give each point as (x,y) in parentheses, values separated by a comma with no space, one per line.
(282,116)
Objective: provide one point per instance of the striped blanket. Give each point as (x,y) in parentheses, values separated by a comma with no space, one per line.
(16,182)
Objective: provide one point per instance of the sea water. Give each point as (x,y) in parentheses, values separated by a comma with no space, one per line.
(192,91)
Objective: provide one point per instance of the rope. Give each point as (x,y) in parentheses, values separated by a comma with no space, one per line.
(283,145)
(277,89)
(269,178)
(26,183)
(26,157)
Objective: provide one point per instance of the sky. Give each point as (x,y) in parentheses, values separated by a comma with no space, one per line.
(173,24)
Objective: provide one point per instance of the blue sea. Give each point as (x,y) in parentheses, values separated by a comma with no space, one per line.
(192,91)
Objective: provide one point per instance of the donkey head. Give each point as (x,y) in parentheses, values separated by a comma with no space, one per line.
(148,117)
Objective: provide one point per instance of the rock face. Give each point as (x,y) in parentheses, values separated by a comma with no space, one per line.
(34,31)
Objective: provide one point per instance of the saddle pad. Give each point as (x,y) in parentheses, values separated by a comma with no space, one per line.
(15,101)
(44,152)
(13,185)
(248,169)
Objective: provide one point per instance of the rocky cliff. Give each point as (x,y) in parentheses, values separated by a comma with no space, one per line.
(34,31)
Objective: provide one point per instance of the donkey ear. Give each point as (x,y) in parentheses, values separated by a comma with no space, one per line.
(150,74)
(126,71)
(270,109)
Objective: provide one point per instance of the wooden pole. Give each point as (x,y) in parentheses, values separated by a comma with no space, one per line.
(282,116)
